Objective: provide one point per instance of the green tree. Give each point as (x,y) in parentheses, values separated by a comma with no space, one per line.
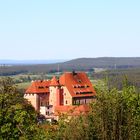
(17,116)
(116,114)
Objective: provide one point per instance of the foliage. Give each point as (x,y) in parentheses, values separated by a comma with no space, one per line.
(115,77)
(81,64)
(75,128)
(17,116)
(114,116)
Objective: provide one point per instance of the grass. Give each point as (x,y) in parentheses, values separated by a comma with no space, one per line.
(24,80)
(23,85)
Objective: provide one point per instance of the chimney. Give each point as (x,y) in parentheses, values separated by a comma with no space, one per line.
(74,73)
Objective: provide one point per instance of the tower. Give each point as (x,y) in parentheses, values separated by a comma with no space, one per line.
(56,93)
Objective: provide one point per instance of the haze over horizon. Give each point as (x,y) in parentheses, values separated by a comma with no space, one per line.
(48,30)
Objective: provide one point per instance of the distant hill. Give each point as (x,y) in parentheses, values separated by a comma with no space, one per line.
(29,62)
(106,62)
(76,64)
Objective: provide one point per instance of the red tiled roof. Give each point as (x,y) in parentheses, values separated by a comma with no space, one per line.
(78,84)
(54,82)
(72,110)
(39,87)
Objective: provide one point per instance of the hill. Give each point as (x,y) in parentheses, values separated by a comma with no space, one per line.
(28,62)
(81,64)
(106,62)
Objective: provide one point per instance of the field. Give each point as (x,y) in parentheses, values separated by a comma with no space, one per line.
(23,85)
(115,78)
(22,81)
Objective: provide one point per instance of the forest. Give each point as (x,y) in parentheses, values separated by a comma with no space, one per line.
(115,77)
(115,115)
(80,64)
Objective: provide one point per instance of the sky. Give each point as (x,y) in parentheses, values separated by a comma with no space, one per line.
(67,29)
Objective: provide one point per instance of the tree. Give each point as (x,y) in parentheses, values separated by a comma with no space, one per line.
(116,114)
(17,116)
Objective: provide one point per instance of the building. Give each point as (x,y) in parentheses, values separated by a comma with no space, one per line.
(60,95)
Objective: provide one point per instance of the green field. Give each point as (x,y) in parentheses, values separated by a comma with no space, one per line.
(115,77)
(23,85)
(22,81)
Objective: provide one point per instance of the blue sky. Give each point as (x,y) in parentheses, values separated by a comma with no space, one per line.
(65,29)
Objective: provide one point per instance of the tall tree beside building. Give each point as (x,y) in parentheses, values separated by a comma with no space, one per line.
(17,116)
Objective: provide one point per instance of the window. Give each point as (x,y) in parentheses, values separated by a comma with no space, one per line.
(41,103)
(66,102)
(79,102)
(47,103)
(86,86)
(74,102)
(79,81)
(85,101)
(47,113)
(40,87)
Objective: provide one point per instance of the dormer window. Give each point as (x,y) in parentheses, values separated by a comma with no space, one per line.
(79,86)
(86,86)
(40,87)
(77,92)
(79,81)
(74,86)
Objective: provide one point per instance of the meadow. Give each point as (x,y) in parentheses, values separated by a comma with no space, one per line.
(114,78)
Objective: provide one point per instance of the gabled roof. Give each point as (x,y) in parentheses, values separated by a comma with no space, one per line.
(54,82)
(39,86)
(77,84)
(72,110)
